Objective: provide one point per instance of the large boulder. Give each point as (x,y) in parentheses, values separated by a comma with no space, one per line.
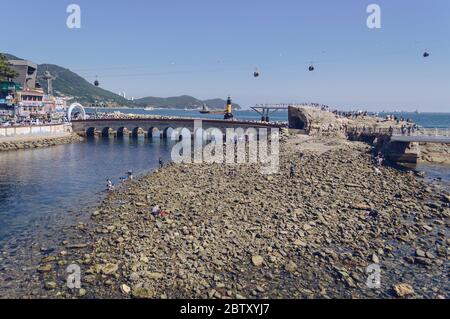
(315,121)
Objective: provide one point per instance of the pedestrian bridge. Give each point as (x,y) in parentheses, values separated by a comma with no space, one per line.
(420,139)
(400,145)
(154,126)
(423,136)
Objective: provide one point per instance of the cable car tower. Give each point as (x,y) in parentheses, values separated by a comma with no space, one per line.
(49,78)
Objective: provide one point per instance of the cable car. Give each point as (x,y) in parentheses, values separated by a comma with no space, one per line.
(256,73)
(311,68)
(96,83)
(426,54)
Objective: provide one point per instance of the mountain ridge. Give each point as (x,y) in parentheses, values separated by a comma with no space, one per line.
(181,102)
(69,84)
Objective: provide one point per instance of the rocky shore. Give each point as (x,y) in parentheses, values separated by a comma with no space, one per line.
(435,153)
(29,142)
(247,235)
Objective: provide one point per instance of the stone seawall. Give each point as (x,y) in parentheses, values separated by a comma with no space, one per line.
(29,142)
(33,130)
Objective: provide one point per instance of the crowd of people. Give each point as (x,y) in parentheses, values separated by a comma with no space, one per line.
(28,121)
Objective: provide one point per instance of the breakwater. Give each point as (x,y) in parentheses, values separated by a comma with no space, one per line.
(34,130)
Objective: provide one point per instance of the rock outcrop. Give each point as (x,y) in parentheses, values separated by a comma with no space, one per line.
(315,121)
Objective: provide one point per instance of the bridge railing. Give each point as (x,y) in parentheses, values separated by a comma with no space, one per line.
(406,131)
(439,132)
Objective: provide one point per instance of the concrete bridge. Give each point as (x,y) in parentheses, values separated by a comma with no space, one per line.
(401,146)
(151,127)
(423,135)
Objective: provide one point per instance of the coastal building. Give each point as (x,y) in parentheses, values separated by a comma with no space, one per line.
(8,95)
(27,73)
(28,98)
(30,103)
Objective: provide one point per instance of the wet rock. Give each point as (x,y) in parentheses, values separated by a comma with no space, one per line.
(257,260)
(142,293)
(45,268)
(403,290)
(82,292)
(446,198)
(125,289)
(50,285)
(375,259)
(154,275)
(109,269)
(420,253)
(290,267)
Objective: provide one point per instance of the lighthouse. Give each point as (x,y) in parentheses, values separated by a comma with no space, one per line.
(228,110)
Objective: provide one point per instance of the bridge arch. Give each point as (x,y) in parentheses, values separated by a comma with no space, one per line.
(74,106)
(90,131)
(153,131)
(167,132)
(106,131)
(137,131)
(121,131)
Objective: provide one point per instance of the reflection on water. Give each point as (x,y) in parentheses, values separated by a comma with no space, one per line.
(38,185)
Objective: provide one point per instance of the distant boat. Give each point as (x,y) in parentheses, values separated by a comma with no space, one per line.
(417,112)
(149,108)
(204,109)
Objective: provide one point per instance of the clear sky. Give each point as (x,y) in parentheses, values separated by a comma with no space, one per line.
(210,48)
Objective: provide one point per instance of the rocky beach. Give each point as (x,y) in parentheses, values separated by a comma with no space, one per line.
(231,232)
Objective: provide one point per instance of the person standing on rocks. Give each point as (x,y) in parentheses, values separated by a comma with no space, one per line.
(130,175)
(379,159)
(161,164)
(109,185)
(156,211)
(292,171)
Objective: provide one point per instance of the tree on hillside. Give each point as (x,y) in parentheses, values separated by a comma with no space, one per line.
(6,72)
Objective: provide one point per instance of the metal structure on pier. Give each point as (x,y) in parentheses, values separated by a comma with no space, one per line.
(265,110)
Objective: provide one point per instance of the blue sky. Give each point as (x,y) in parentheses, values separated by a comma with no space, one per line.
(209,48)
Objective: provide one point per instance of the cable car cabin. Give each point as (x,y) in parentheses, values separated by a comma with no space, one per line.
(311,68)
(96,83)
(426,54)
(256,74)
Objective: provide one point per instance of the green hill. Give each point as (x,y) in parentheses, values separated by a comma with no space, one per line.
(11,57)
(70,84)
(181,102)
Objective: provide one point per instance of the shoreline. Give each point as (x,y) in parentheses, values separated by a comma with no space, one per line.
(37,141)
(270,238)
